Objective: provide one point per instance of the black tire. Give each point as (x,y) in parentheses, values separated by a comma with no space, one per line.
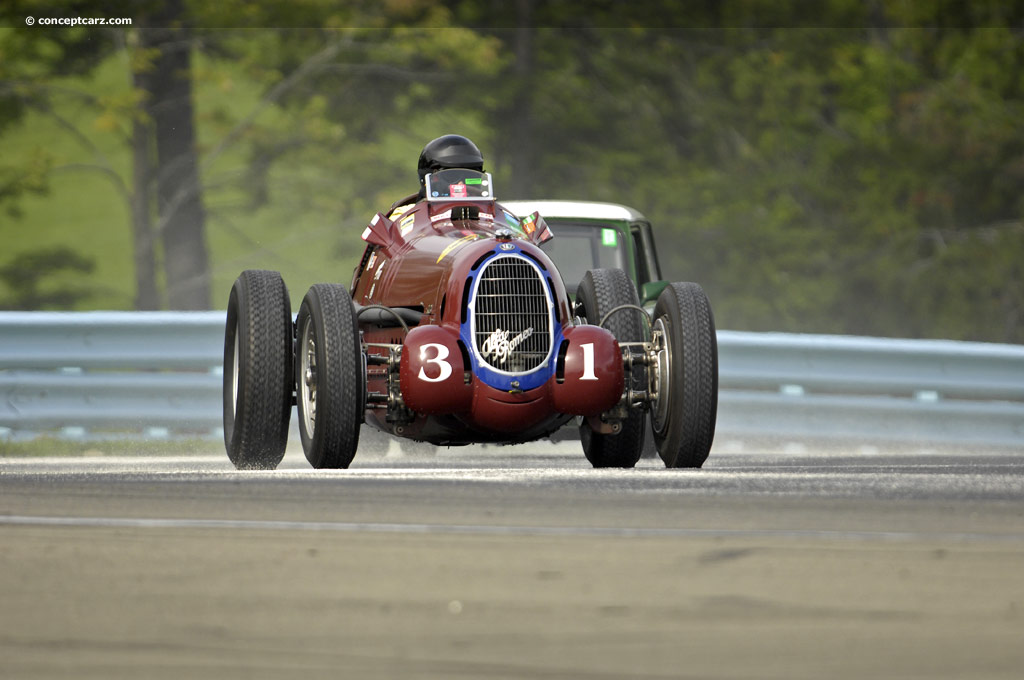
(601,291)
(258,379)
(330,383)
(684,425)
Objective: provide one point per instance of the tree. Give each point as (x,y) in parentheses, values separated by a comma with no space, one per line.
(182,219)
(161,60)
(821,167)
(29,278)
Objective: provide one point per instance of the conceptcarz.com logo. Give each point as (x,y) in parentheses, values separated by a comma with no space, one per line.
(78,21)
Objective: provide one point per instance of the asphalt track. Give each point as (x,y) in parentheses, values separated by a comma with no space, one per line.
(501,564)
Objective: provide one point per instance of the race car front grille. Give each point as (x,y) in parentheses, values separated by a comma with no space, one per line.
(511,316)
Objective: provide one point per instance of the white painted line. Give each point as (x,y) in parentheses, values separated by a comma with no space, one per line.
(499,530)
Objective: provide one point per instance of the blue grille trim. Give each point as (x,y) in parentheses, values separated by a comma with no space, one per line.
(500,380)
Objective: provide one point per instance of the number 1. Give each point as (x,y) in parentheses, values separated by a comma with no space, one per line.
(588,361)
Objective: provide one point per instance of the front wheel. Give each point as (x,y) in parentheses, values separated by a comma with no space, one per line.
(683,416)
(330,382)
(600,292)
(257,392)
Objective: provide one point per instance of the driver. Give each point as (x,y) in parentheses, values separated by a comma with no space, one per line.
(447,151)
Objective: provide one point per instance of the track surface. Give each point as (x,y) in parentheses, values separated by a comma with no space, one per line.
(496,564)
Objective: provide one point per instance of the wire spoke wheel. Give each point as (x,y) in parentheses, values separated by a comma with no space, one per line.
(307,376)
(330,381)
(684,414)
(659,407)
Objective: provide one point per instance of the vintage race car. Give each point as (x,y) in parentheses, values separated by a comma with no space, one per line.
(458,329)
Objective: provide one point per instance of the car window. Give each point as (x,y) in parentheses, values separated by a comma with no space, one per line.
(577,248)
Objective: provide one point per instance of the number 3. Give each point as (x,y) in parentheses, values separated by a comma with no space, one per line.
(444,366)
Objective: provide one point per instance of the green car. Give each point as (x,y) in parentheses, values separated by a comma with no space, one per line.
(592,235)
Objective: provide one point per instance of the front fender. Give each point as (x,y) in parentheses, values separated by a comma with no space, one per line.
(432,372)
(591,380)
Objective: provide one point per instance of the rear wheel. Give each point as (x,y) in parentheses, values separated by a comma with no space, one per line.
(683,416)
(330,383)
(258,381)
(601,291)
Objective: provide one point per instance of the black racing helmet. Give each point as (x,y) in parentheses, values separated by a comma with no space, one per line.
(449,151)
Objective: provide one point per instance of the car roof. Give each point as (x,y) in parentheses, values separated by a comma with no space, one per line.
(588,210)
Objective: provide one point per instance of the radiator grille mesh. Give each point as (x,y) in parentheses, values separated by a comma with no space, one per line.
(512,316)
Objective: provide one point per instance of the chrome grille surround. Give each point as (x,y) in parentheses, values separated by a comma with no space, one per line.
(511,316)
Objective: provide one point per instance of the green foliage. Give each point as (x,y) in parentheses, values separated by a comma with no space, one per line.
(835,166)
(40,279)
(29,178)
(119,444)
(822,167)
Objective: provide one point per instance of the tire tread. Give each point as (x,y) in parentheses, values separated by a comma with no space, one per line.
(257,435)
(610,288)
(339,385)
(687,441)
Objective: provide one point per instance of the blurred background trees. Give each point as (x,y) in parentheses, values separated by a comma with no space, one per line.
(840,166)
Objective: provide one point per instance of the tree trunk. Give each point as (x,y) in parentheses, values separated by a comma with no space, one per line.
(146,296)
(520,116)
(182,223)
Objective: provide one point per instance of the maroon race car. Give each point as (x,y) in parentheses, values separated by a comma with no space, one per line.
(459,330)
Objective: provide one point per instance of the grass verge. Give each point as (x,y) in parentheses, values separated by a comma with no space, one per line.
(45,446)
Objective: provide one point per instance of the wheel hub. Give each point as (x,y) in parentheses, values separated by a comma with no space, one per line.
(307,368)
(662,373)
